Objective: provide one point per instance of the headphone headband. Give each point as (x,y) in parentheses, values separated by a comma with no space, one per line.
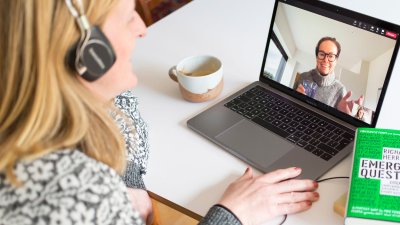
(80,17)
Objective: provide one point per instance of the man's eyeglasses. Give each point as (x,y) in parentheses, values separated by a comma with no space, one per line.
(331,57)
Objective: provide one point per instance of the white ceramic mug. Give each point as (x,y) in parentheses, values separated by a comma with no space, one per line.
(199,77)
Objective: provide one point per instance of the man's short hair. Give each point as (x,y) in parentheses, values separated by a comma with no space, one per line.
(328,39)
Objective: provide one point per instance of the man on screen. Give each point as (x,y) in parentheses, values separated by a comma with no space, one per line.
(320,83)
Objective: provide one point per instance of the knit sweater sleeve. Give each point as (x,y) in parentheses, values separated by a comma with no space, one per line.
(135,133)
(220,215)
(132,176)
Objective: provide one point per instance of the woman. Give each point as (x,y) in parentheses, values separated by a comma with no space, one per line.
(60,150)
(329,90)
(361,114)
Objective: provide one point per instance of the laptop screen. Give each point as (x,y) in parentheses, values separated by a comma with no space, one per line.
(330,57)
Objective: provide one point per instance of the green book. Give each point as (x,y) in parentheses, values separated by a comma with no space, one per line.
(374,192)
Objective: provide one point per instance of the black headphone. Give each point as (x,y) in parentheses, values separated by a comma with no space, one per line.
(93,55)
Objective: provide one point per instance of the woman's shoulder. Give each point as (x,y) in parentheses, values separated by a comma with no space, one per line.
(307,73)
(126,101)
(65,186)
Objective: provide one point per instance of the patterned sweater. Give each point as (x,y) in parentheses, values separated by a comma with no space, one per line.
(68,187)
(135,132)
(65,187)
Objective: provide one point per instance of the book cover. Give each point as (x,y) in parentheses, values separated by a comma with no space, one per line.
(374,192)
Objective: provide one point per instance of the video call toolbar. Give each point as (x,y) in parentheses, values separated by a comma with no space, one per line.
(375,29)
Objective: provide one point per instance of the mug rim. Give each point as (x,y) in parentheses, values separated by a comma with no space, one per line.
(215,59)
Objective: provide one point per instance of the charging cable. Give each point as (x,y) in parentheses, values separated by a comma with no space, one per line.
(319,181)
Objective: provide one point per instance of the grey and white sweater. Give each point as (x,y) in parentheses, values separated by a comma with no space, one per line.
(65,187)
(68,187)
(329,91)
(135,132)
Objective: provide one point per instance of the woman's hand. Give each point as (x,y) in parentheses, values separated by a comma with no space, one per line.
(301,89)
(346,105)
(141,202)
(255,200)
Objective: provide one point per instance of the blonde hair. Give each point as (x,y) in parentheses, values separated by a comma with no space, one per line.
(43,106)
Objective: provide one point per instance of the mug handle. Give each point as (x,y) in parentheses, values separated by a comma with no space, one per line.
(172,74)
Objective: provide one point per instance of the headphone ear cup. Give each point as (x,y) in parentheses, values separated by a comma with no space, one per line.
(97,55)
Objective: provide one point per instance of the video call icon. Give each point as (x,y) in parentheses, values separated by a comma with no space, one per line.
(372,28)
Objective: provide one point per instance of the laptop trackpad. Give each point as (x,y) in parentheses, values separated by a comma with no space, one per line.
(251,142)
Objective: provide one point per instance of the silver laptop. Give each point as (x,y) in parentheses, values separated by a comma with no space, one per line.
(295,115)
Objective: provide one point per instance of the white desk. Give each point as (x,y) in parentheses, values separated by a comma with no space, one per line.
(186,168)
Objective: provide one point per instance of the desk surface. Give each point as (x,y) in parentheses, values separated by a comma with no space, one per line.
(186,168)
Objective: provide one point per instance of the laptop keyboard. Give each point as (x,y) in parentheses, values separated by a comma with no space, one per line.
(311,131)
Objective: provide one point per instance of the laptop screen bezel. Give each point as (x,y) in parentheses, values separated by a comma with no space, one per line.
(329,10)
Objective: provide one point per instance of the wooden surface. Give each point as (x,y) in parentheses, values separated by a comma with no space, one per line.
(169,213)
(340,205)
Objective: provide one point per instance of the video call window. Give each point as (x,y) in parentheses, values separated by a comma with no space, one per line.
(361,67)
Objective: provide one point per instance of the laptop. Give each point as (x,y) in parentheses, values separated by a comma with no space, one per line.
(272,124)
